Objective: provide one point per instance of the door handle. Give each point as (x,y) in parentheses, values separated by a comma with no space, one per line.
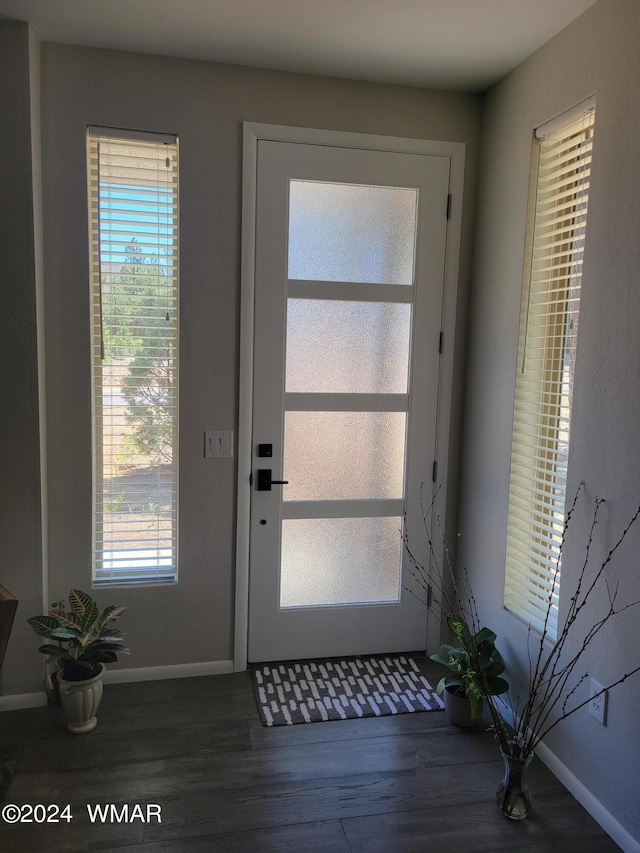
(265,482)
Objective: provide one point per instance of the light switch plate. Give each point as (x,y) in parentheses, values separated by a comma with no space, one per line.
(218,444)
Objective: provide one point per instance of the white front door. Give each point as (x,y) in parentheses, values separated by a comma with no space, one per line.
(349,269)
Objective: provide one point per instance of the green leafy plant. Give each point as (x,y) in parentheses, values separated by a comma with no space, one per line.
(475,663)
(83,636)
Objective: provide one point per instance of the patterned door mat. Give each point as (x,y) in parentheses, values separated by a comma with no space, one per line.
(313,692)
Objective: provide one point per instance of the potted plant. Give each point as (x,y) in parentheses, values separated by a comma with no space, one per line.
(554,690)
(476,667)
(84,642)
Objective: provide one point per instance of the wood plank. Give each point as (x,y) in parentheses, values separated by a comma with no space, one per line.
(79,836)
(207,769)
(279,803)
(481,828)
(323,837)
(124,747)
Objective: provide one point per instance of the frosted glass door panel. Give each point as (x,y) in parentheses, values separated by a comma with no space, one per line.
(349,232)
(344,455)
(332,561)
(347,347)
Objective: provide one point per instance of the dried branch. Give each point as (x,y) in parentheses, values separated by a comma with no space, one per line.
(551,687)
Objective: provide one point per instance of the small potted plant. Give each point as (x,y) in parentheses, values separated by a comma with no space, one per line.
(84,642)
(476,667)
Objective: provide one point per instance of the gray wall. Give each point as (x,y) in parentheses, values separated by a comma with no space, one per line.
(21,527)
(598,54)
(205,105)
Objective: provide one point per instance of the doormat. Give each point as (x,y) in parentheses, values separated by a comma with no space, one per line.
(8,762)
(291,693)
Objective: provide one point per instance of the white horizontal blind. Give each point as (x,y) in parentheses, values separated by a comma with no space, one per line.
(133,233)
(544,382)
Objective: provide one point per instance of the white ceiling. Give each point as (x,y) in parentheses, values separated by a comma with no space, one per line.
(464,45)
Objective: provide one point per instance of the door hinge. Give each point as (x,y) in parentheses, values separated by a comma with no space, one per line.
(429,595)
(449,206)
(441,342)
(434,475)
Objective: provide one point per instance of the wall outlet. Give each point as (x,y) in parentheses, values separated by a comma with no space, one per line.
(598,705)
(218,444)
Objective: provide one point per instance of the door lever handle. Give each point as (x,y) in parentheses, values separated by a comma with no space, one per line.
(265,482)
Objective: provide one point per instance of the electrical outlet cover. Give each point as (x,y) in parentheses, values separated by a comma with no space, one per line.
(598,705)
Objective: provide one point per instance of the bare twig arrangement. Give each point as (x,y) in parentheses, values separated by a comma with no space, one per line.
(554,676)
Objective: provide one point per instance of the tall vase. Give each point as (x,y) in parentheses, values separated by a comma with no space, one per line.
(513,794)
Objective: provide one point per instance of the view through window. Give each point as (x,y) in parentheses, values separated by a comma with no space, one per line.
(133,218)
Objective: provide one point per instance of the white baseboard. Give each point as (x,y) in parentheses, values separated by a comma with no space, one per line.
(19,701)
(160,673)
(595,808)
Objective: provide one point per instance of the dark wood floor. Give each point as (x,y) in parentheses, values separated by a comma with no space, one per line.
(196,748)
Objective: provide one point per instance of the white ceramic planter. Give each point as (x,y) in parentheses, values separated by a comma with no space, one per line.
(80,702)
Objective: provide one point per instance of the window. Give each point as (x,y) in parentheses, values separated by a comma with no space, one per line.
(133,244)
(546,360)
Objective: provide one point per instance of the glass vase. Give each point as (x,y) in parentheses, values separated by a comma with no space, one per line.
(513,794)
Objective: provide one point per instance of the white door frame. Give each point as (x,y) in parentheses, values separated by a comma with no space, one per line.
(253,132)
